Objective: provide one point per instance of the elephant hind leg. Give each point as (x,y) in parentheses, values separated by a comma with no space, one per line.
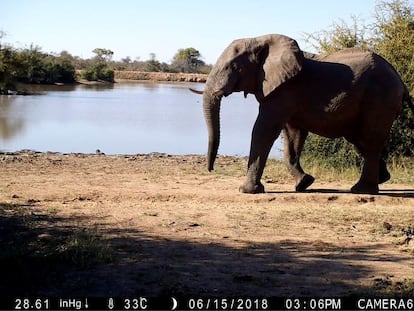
(368,183)
(384,174)
(374,171)
(294,139)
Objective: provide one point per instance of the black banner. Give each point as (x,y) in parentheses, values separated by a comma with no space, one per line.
(205,303)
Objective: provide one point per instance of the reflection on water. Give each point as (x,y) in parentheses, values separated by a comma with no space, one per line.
(123,118)
(9,126)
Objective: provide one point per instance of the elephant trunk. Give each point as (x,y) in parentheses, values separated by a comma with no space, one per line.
(211,107)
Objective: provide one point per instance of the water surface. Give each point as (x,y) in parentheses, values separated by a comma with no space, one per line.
(124,118)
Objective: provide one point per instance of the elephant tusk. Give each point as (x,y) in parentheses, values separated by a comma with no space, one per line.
(220,93)
(196,91)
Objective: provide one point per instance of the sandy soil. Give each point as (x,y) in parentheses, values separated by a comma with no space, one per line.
(169,226)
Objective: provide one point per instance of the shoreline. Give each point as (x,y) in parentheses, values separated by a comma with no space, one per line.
(99,153)
(120,77)
(139,76)
(160,76)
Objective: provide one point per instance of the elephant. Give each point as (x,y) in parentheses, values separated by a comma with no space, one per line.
(353,93)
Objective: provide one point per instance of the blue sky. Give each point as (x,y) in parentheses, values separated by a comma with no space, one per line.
(137,28)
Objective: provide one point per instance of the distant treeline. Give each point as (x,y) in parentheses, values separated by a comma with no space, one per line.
(32,65)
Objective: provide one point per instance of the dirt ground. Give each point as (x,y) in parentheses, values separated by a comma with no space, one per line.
(97,225)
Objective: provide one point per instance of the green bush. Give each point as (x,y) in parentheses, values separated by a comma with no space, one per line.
(331,152)
(59,72)
(89,74)
(99,72)
(107,74)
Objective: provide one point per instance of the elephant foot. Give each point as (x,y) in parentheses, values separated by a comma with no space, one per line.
(251,188)
(384,176)
(361,188)
(304,183)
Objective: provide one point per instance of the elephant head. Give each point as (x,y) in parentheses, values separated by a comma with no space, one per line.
(254,65)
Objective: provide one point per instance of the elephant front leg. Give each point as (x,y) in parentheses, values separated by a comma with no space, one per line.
(263,136)
(294,139)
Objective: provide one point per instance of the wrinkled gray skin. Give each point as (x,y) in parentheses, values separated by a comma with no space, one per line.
(352,93)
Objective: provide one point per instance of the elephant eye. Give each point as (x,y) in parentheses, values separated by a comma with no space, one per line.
(236,67)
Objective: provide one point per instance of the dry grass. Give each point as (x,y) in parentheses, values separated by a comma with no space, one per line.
(401,171)
(156,224)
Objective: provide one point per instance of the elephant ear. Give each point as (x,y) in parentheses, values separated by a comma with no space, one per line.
(281,60)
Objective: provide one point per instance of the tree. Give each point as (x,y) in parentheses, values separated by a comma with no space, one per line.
(103,55)
(8,66)
(392,36)
(126,61)
(153,65)
(32,60)
(394,40)
(187,60)
(99,70)
(59,70)
(340,36)
(8,69)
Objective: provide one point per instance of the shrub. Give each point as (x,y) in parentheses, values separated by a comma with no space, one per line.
(99,72)
(59,72)
(331,152)
(107,74)
(89,74)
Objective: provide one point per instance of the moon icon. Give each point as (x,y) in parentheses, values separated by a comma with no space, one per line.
(174,303)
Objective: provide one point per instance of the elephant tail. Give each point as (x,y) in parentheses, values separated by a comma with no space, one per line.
(407,99)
